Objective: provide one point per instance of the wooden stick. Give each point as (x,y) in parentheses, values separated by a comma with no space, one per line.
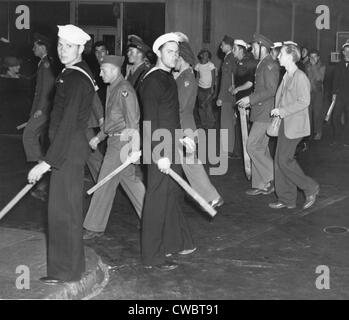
(18,197)
(131,159)
(21,126)
(203,203)
(244,134)
(330,109)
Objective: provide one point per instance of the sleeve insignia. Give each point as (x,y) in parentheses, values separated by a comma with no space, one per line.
(270,66)
(186,83)
(46,65)
(124,93)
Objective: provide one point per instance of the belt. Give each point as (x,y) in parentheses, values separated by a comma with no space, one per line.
(114,134)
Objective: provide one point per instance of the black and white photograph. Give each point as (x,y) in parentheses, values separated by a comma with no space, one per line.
(174,155)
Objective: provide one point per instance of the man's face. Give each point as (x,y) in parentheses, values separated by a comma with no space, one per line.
(169,54)
(109,72)
(100,52)
(236,51)
(255,50)
(314,58)
(346,53)
(68,52)
(283,57)
(225,47)
(133,55)
(37,49)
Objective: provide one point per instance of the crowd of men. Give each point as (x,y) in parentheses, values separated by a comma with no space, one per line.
(86,105)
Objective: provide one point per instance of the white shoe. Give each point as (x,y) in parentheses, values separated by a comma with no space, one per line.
(188,251)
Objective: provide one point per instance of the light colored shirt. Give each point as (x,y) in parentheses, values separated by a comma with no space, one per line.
(205,74)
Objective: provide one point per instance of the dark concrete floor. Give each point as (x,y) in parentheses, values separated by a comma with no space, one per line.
(247,251)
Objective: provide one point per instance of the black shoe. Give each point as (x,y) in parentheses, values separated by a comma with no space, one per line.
(254,192)
(280,205)
(166,266)
(51,281)
(217,202)
(310,200)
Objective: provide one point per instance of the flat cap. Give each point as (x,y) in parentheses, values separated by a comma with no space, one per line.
(137,42)
(114,60)
(228,40)
(262,40)
(167,37)
(73,34)
(186,53)
(241,43)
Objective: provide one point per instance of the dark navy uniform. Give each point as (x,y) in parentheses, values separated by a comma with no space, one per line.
(43,98)
(67,155)
(164,228)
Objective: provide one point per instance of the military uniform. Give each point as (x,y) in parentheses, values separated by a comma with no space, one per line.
(194,171)
(135,76)
(43,97)
(122,112)
(67,156)
(228,119)
(164,228)
(262,102)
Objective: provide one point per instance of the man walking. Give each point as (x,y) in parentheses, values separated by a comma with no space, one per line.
(164,229)
(66,158)
(122,114)
(261,102)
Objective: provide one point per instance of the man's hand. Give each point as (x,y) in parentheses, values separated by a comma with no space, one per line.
(100,122)
(244,102)
(94,143)
(189,144)
(235,91)
(36,172)
(164,165)
(37,114)
(275,112)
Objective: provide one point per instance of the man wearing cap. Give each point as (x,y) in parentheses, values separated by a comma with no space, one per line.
(136,54)
(187,91)
(66,157)
(226,99)
(244,80)
(122,114)
(164,228)
(33,135)
(261,102)
(341,96)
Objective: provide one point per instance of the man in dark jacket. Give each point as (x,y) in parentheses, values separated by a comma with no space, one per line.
(66,157)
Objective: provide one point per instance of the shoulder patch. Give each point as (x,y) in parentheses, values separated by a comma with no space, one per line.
(124,93)
(186,83)
(46,64)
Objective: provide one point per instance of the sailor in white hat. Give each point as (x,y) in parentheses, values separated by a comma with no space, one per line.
(66,157)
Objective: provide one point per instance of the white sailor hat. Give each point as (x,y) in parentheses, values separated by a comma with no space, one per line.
(241,43)
(345,44)
(73,34)
(182,37)
(290,42)
(276,45)
(167,37)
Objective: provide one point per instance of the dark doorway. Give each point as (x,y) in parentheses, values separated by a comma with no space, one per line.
(146,20)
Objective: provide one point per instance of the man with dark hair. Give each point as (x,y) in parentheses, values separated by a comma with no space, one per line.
(164,228)
(34,132)
(138,65)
